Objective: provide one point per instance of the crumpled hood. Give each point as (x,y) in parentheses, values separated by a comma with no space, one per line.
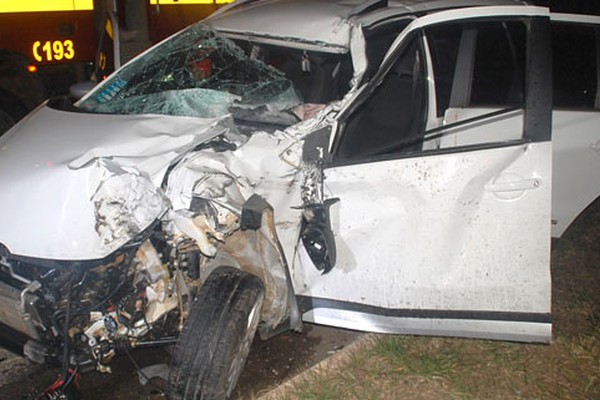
(63,176)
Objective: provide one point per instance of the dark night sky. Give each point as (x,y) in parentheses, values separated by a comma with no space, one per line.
(575,6)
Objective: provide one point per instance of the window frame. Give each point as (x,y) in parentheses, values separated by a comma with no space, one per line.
(538,79)
(378,80)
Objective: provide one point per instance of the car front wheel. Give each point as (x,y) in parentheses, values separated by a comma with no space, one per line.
(215,341)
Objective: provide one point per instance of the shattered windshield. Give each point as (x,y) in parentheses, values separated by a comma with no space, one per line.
(195,73)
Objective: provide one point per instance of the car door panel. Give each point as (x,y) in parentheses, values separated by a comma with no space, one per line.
(447,241)
(430,233)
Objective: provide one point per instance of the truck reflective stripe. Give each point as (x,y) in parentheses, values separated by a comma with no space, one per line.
(175,2)
(24,6)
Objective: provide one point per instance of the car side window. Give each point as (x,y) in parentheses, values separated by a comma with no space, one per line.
(479,70)
(479,64)
(392,119)
(478,97)
(575,66)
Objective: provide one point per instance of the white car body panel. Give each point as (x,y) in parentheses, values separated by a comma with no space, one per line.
(55,162)
(418,244)
(576,138)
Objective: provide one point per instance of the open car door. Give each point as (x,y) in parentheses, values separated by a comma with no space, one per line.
(442,166)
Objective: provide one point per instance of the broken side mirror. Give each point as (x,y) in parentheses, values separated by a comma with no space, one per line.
(316,234)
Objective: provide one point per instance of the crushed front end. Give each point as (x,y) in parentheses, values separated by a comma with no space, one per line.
(82,314)
(154,181)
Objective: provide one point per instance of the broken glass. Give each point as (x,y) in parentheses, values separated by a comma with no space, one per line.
(195,73)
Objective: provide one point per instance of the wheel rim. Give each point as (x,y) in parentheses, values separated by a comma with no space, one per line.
(240,358)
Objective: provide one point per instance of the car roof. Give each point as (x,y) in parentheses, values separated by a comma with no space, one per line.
(322,22)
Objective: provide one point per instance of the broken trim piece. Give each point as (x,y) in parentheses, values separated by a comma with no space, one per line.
(307,303)
(511,326)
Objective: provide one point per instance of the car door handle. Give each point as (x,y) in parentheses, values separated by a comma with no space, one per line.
(515,186)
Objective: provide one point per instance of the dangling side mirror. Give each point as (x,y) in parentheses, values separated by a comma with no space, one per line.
(317,236)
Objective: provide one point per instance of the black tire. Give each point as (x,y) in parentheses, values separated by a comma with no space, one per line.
(215,341)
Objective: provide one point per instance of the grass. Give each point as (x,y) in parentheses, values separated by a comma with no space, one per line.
(436,368)
(407,367)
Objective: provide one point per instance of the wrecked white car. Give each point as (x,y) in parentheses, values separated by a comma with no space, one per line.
(200,195)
